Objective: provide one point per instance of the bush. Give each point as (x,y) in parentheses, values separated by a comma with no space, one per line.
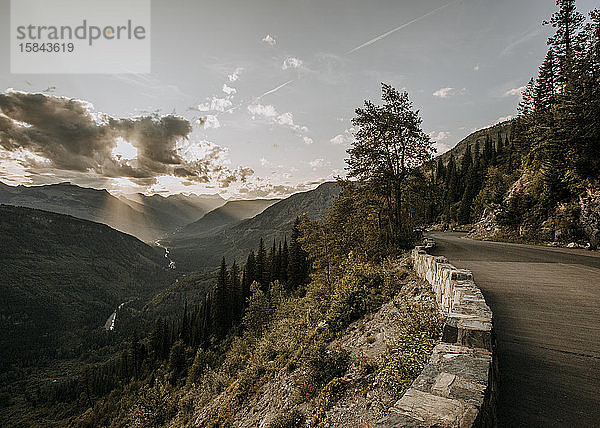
(350,300)
(421,331)
(292,419)
(323,364)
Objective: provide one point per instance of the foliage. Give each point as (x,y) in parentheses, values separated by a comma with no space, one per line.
(552,144)
(388,150)
(350,298)
(421,330)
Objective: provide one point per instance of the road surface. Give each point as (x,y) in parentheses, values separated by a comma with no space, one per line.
(546,304)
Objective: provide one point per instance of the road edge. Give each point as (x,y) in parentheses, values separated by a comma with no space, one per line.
(458,386)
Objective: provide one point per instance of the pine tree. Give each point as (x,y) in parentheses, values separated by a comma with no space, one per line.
(285,257)
(272,263)
(526,105)
(567,21)
(440,173)
(261,266)
(220,315)
(278,261)
(236,302)
(298,264)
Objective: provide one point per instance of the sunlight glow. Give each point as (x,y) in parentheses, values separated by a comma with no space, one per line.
(124,150)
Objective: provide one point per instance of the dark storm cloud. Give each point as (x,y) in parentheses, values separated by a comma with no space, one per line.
(74,138)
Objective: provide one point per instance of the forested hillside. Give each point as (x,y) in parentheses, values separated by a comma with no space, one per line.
(60,280)
(538,180)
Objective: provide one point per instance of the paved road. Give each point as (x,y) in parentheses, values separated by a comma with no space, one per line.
(546,304)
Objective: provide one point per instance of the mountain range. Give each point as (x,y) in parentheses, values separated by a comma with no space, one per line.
(231,212)
(146,217)
(233,241)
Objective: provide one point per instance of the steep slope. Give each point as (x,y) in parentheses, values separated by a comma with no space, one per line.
(231,212)
(234,241)
(61,277)
(503,128)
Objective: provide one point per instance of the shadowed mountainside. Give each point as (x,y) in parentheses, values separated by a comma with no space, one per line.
(61,276)
(231,212)
(234,241)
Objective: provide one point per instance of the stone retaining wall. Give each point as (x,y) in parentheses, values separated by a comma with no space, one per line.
(458,387)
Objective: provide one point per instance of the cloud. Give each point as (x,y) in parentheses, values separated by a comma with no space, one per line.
(307,140)
(229,90)
(233,77)
(514,92)
(318,163)
(448,92)
(269,112)
(262,110)
(270,40)
(211,121)
(287,119)
(291,62)
(263,189)
(215,104)
(346,138)
(340,139)
(502,119)
(69,136)
(438,138)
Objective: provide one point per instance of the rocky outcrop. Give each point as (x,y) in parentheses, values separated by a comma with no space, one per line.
(590,217)
(458,387)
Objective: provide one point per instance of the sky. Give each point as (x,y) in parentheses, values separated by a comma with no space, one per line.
(255,99)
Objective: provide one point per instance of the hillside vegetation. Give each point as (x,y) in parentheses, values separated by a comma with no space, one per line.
(535,178)
(60,280)
(324,323)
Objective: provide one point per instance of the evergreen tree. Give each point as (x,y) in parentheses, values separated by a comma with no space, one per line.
(236,302)
(261,266)
(272,263)
(285,256)
(250,271)
(567,21)
(298,264)
(220,314)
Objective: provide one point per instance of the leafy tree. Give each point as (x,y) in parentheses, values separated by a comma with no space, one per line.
(389,146)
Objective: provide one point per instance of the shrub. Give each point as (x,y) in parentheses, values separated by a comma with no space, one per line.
(291,419)
(350,300)
(323,364)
